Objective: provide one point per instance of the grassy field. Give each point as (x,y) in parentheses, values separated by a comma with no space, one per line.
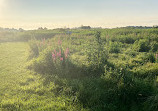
(88,70)
(13,76)
(21,89)
(12,59)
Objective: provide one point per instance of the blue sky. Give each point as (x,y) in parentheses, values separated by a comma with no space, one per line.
(30,14)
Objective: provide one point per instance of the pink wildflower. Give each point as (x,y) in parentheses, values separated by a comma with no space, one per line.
(66,52)
(156,56)
(61,58)
(59,42)
(59,52)
(53,56)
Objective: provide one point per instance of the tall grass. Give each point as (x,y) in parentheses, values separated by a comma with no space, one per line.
(104,69)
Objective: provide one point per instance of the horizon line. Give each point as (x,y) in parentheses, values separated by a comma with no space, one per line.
(64,27)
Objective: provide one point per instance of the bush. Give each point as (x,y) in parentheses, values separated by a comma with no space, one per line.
(151,103)
(148,71)
(131,52)
(142,45)
(48,62)
(154,46)
(97,94)
(128,40)
(114,47)
(116,90)
(34,50)
(150,57)
(131,91)
(56,61)
(97,55)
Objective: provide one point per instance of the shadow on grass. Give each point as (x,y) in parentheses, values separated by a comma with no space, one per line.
(96,92)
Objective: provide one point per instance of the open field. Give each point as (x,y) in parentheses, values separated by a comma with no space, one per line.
(20,88)
(85,70)
(78,55)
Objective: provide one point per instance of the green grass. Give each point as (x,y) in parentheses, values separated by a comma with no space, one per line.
(12,59)
(116,75)
(22,89)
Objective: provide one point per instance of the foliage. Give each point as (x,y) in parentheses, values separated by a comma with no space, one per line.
(114,47)
(34,49)
(151,103)
(126,39)
(149,71)
(142,45)
(92,69)
(96,53)
(154,46)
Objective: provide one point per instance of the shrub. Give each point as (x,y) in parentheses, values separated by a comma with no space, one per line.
(148,71)
(38,46)
(60,59)
(142,45)
(97,94)
(128,40)
(156,58)
(50,63)
(151,103)
(150,57)
(34,50)
(114,47)
(56,61)
(154,46)
(131,52)
(130,90)
(96,53)
(43,64)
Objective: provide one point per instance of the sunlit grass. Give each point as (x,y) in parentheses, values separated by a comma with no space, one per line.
(21,89)
(32,80)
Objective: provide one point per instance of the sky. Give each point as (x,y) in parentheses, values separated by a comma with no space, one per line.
(31,14)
